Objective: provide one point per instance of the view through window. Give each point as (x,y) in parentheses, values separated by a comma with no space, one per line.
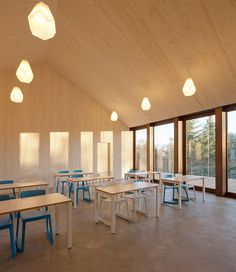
(141,149)
(231,151)
(164,148)
(200,145)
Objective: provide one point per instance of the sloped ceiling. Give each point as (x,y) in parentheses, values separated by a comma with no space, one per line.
(118,51)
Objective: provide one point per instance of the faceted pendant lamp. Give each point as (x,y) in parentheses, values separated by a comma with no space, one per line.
(189,88)
(16,95)
(146,104)
(114,116)
(24,72)
(41,22)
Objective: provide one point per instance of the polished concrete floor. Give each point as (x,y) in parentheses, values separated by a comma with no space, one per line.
(201,237)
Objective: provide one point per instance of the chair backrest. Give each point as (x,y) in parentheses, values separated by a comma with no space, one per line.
(33,193)
(8,181)
(63,171)
(77,171)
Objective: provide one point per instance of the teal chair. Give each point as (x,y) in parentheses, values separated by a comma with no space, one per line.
(27,217)
(6,222)
(84,187)
(63,181)
(7,196)
(174,189)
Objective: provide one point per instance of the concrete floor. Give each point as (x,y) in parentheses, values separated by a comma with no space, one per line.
(201,237)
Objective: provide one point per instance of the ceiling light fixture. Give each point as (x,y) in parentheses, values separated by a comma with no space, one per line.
(189,88)
(24,72)
(145,105)
(114,116)
(16,95)
(41,22)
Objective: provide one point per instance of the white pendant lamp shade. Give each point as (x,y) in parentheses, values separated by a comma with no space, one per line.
(146,104)
(24,72)
(16,95)
(114,116)
(189,88)
(41,22)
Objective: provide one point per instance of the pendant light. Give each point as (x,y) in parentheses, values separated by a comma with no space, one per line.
(16,95)
(189,88)
(24,72)
(145,105)
(114,116)
(41,22)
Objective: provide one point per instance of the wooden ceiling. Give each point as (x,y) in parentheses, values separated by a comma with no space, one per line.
(118,51)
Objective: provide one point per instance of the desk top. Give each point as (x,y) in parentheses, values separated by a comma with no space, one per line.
(72,174)
(90,178)
(29,203)
(125,187)
(184,178)
(19,185)
(144,173)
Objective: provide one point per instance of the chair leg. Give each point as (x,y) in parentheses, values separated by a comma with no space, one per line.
(194,191)
(46,225)
(62,187)
(51,231)
(13,246)
(164,193)
(22,247)
(57,186)
(135,209)
(17,231)
(186,192)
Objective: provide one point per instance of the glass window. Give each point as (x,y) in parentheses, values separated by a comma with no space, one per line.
(164,148)
(87,151)
(231,151)
(107,137)
(141,149)
(200,145)
(59,150)
(126,151)
(29,152)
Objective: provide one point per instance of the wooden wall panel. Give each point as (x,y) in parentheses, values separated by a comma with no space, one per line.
(51,104)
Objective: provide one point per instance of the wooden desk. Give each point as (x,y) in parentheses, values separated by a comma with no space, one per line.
(180,180)
(139,174)
(22,185)
(58,176)
(29,203)
(87,179)
(119,188)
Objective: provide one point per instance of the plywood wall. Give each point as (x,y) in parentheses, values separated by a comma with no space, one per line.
(51,104)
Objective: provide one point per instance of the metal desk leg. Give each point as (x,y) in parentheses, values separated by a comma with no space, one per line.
(203,189)
(69,225)
(180,197)
(113,214)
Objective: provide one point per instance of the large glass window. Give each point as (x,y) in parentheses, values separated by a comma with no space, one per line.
(231,151)
(200,145)
(164,148)
(141,149)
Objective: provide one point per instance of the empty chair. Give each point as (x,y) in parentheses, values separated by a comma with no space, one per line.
(83,186)
(63,181)
(27,217)
(174,189)
(6,222)
(7,196)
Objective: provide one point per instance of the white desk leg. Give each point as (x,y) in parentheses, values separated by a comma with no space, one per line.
(203,189)
(180,197)
(57,223)
(113,214)
(161,190)
(69,225)
(158,202)
(97,207)
(75,193)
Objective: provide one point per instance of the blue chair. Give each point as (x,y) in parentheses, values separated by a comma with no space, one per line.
(7,196)
(63,181)
(6,222)
(84,187)
(174,189)
(33,216)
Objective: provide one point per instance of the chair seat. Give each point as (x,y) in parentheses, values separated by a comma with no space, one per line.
(34,215)
(7,197)
(5,221)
